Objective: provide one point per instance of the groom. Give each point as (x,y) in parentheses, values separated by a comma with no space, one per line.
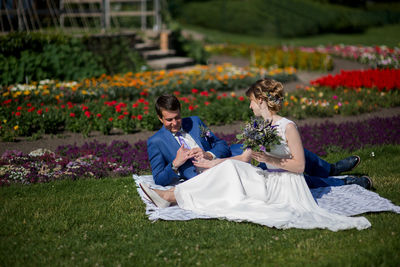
(173,147)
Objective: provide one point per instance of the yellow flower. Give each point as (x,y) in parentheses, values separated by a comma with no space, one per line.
(336,107)
(321,94)
(4,121)
(16,127)
(6,93)
(27,92)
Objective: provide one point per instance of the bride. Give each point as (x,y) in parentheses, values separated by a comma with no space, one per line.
(235,190)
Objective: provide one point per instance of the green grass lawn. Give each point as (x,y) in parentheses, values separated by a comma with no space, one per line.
(386,35)
(103,222)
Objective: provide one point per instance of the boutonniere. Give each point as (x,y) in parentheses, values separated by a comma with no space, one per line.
(205,132)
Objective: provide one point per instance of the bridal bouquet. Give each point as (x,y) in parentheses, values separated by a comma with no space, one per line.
(259,135)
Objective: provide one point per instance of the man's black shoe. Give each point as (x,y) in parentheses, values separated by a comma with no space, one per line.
(363,181)
(344,165)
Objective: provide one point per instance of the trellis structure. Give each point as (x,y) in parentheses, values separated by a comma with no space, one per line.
(35,15)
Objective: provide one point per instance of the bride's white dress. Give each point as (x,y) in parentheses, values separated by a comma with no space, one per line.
(238,191)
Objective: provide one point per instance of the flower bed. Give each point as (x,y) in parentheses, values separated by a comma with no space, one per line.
(120,158)
(325,102)
(313,58)
(375,56)
(132,86)
(382,80)
(103,115)
(264,56)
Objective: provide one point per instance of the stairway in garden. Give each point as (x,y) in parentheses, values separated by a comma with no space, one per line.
(159,57)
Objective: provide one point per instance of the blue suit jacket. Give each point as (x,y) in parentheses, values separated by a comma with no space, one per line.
(162,148)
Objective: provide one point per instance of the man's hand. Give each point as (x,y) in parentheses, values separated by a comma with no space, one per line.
(182,156)
(199,154)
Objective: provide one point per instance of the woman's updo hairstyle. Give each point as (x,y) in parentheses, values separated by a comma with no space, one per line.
(268,90)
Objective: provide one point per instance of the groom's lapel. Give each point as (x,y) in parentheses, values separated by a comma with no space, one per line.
(170,140)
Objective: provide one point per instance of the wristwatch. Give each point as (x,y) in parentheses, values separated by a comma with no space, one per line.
(175,169)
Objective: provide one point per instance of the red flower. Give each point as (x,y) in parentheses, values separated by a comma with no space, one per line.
(184,99)
(194,91)
(133,117)
(47,110)
(17,113)
(191,108)
(31,109)
(29,105)
(62,106)
(98,115)
(87,113)
(72,115)
(241,98)
(84,107)
(19,108)
(110,119)
(177,93)
(39,112)
(139,117)
(144,93)
(207,103)
(141,100)
(135,105)
(204,93)
(126,113)
(121,117)
(5,102)
(146,108)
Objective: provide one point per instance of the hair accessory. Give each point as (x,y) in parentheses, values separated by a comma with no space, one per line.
(274,99)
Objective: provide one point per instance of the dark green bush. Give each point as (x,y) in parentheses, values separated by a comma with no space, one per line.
(285,18)
(115,53)
(187,46)
(33,57)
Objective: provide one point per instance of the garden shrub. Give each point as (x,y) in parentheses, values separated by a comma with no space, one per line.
(187,46)
(26,57)
(32,57)
(115,53)
(283,18)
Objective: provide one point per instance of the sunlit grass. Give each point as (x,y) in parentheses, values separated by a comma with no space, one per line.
(103,222)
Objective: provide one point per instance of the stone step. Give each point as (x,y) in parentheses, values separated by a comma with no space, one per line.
(170,63)
(157,54)
(146,47)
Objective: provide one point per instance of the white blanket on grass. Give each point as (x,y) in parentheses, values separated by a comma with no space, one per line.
(347,200)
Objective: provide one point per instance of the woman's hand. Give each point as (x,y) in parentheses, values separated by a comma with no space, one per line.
(206,164)
(260,157)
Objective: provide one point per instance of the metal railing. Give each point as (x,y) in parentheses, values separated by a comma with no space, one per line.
(27,15)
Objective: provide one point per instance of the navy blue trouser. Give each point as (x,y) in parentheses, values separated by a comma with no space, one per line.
(316,170)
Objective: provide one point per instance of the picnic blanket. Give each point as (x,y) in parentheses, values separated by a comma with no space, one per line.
(347,200)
